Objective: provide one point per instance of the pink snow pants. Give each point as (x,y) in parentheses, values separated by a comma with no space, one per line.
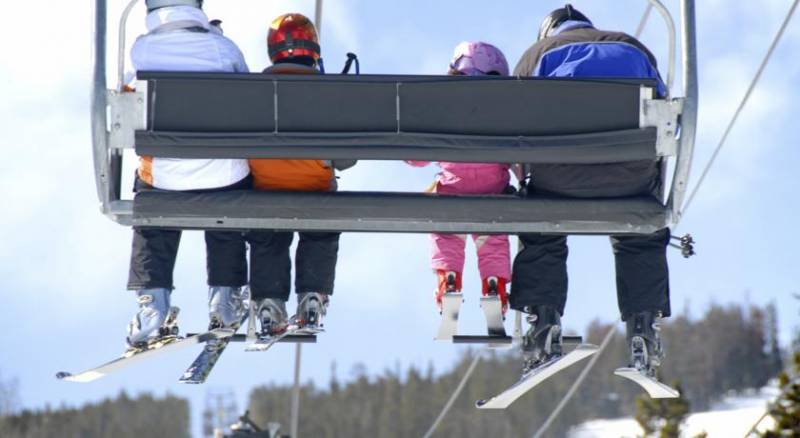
(494,259)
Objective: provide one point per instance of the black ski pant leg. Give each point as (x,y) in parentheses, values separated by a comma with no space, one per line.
(642,272)
(270,264)
(539,275)
(226,258)
(226,251)
(316,262)
(153,256)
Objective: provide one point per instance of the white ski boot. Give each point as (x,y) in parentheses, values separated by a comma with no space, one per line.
(154,319)
(227,306)
(272,316)
(311,308)
(542,341)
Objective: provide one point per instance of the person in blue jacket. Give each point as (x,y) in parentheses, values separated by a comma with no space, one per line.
(570,46)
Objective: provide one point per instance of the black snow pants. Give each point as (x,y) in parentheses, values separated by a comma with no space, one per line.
(540,268)
(271,264)
(154,251)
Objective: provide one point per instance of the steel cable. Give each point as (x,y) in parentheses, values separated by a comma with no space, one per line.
(578,382)
(744,101)
(454,396)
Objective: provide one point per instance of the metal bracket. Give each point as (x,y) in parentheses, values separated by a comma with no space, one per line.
(663,115)
(127,113)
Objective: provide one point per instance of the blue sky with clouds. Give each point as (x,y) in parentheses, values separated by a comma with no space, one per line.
(63,265)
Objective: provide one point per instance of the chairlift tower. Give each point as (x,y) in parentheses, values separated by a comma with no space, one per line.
(219,413)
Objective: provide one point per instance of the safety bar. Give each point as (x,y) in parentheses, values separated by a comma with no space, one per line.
(670,23)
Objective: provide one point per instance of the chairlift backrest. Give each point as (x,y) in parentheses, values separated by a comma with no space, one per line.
(188,115)
(396,117)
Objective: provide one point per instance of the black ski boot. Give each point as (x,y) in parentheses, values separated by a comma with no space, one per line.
(644,339)
(542,341)
(311,308)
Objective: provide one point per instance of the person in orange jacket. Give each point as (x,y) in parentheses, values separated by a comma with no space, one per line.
(294,48)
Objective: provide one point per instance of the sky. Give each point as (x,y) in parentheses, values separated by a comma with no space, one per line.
(63,266)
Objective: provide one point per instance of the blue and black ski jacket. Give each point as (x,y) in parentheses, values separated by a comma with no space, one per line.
(579,50)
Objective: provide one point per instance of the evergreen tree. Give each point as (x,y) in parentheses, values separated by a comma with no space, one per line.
(773,343)
(123,417)
(662,417)
(9,396)
(721,351)
(786,409)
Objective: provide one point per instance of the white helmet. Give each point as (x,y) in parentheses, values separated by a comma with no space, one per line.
(155,4)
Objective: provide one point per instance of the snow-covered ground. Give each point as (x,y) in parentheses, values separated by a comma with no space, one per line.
(731,417)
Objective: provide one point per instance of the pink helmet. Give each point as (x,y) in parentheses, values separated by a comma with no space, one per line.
(478,58)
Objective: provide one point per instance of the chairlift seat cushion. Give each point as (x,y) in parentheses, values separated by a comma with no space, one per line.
(397,212)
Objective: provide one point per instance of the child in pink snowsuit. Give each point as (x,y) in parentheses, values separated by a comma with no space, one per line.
(494,260)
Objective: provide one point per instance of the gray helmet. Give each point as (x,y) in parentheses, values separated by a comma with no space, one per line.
(156,4)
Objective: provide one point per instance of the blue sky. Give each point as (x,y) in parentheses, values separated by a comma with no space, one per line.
(63,265)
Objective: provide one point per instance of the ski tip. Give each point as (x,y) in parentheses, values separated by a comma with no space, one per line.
(485,404)
(653,387)
(189,379)
(79,378)
(624,371)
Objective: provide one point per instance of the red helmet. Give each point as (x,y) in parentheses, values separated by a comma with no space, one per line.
(292,35)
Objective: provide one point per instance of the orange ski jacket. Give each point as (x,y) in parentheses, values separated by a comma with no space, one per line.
(292,175)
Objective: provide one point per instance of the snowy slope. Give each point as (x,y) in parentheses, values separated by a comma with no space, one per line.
(732,417)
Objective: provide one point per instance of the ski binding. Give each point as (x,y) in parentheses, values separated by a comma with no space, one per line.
(292,333)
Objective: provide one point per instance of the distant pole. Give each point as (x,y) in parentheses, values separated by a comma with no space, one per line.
(296,393)
(318,17)
(553,415)
(643,21)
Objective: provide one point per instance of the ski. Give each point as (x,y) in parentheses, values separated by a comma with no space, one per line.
(133,355)
(653,387)
(493,312)
(537,376)
(293,331)
(451,304)
(200,369)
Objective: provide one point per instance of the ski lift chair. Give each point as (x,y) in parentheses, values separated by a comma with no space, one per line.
(385,117)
